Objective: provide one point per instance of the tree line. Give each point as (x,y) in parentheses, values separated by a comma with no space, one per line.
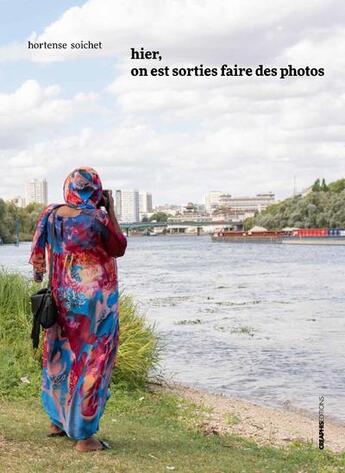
(13,217)
(323,206)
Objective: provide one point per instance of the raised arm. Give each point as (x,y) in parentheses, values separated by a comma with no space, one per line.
(113,239)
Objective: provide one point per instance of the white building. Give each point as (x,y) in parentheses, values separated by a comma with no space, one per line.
(224,200)
(128,203)
(247,206)
(145,204)
(169,209)
(118,206)
(239,208)
(212,200)
(36,191)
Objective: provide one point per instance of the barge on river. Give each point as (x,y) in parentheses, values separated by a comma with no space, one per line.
(290,236)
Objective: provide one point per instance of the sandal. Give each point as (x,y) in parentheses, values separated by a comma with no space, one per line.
(105,445)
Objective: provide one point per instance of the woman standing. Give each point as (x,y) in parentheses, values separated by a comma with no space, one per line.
(80,350)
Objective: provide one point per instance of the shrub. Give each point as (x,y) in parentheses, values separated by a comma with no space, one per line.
(20,366)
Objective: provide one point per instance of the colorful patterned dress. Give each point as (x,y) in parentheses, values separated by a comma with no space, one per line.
(80,349)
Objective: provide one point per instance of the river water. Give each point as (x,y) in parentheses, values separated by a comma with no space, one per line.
(253,321)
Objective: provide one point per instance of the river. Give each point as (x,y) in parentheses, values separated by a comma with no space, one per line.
(259,322)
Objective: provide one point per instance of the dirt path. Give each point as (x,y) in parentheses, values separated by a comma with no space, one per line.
(265,425)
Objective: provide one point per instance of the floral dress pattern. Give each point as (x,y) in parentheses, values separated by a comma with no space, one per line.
(80,350)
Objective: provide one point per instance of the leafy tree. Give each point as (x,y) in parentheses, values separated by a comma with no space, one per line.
(323,207)
(320,186)
(324,186)
(316,186)
(160,217)
(337,186)
(27,218)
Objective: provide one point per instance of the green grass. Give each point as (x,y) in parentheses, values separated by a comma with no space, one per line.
(148,432)
(232,419)
(139,351)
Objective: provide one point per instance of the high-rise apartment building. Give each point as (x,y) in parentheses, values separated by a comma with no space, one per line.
(128,201)
(118,203)
(145,204)
(36,191)
(132,205)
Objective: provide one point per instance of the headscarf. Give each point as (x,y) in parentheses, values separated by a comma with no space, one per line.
(83,188)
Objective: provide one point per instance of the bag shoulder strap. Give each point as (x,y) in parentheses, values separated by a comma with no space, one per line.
(51,258)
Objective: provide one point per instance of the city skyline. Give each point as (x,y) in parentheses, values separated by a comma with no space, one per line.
(21,196)
(137,205)
(37,190)
(177,137)
(55,194)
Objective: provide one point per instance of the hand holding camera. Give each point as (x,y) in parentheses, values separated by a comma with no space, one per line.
(107,200)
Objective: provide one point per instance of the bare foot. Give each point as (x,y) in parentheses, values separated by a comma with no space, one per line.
(89,445)
(54,430)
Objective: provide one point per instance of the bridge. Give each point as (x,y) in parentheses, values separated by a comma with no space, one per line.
(180,226)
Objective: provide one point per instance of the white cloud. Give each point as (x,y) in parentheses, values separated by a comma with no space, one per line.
(180,137)
(32,110)
(186,29)
(179,166)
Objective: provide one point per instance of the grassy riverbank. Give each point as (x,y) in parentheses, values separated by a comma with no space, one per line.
(148,432)
(20,366)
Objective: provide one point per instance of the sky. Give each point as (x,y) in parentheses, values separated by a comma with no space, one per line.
(176,137)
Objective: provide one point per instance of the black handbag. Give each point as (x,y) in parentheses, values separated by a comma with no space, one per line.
(42,302)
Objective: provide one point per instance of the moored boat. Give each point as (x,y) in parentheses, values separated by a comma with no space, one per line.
(315,236)
(295,236)
(268,236)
